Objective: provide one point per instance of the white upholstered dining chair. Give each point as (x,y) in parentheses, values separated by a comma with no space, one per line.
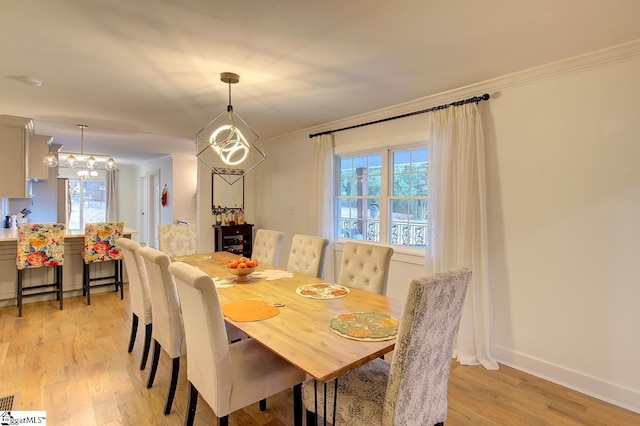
(178,239)
(168,332)
(227,376)
(266,246)
(307,255)
(412,390)
(139,297)
(365,266)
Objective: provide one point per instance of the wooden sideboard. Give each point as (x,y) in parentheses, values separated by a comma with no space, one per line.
(236,239)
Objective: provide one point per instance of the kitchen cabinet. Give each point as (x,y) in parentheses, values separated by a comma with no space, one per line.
(234,238)
(38,149)
(14,168)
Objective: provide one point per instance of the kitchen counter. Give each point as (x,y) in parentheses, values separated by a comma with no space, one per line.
(11,234)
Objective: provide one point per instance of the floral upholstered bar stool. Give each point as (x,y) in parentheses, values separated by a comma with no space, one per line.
(40,245)
(99,246)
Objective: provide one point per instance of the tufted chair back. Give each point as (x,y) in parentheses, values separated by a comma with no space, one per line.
(178,239)
(307,255)
(168,330)
(165,305)
(365,266)
(228,377)
(139,297)
(266,246)
(138,283)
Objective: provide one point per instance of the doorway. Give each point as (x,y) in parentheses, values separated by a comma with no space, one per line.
(149,188)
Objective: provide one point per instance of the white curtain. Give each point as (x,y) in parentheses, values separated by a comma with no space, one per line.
(458,218)
(112,196)
(323,202)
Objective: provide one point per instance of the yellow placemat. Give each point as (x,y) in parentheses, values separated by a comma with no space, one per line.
(249,310)
(365,326)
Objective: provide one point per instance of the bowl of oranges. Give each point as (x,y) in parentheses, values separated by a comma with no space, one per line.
(241,267)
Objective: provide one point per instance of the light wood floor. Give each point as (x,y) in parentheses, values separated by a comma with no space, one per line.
(74,365)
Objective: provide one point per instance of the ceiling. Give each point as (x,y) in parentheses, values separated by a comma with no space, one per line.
(144,75)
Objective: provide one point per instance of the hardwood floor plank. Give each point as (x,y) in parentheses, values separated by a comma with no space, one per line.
(74,365)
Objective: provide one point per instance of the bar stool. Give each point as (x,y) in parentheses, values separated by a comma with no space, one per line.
(99,246)
(40,245)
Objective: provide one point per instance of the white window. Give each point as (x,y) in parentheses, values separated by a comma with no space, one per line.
(382,196)
(87,202)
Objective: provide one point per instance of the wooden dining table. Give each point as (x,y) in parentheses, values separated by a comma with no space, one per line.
(300,332)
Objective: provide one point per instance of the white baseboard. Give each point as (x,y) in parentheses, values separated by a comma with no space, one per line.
(592,386)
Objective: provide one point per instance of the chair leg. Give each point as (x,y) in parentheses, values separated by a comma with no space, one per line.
(20,271)
(154,363)
(84,278)
(311,418)
(134,331)
(87,282)
(191,407)
(223,421)
(439,424)
(147,344)
(172,387)
(263,405)
(297,405)
(59,282)
(118,275)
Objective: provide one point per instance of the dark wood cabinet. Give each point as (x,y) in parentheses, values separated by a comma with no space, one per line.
(234,238)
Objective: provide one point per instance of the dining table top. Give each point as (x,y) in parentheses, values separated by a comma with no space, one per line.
(300,332)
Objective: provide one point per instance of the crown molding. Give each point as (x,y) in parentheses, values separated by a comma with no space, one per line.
(618,53)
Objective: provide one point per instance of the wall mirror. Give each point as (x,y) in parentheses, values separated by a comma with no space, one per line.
(225,195)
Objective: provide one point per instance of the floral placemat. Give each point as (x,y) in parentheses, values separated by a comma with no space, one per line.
(323,291)
(365,326)
(193,257)
(249,310)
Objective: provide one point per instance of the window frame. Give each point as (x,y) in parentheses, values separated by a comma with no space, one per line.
(385,196)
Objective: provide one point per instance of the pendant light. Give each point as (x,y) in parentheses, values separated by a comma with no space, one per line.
(227,145)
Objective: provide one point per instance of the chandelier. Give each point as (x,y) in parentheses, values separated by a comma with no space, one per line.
(88,164)
(227,144)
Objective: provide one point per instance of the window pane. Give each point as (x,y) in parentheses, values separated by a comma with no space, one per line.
(419,185)
(408,225)
(408,207)
(374,185)
(419,160)
(87,202)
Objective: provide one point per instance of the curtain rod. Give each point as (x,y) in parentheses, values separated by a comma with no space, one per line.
(475,99)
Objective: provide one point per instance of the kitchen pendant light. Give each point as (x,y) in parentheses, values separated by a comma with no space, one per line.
(227,145)
(89,163)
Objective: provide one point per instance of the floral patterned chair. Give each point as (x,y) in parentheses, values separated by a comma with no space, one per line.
(178,239)
(99,246)
(40,245)
(412,389)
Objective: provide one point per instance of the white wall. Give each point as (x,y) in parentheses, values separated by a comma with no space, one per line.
(127,191)
(182,188)
(563,201)
(564,198)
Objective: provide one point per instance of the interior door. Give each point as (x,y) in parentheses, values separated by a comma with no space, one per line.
(153,180)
